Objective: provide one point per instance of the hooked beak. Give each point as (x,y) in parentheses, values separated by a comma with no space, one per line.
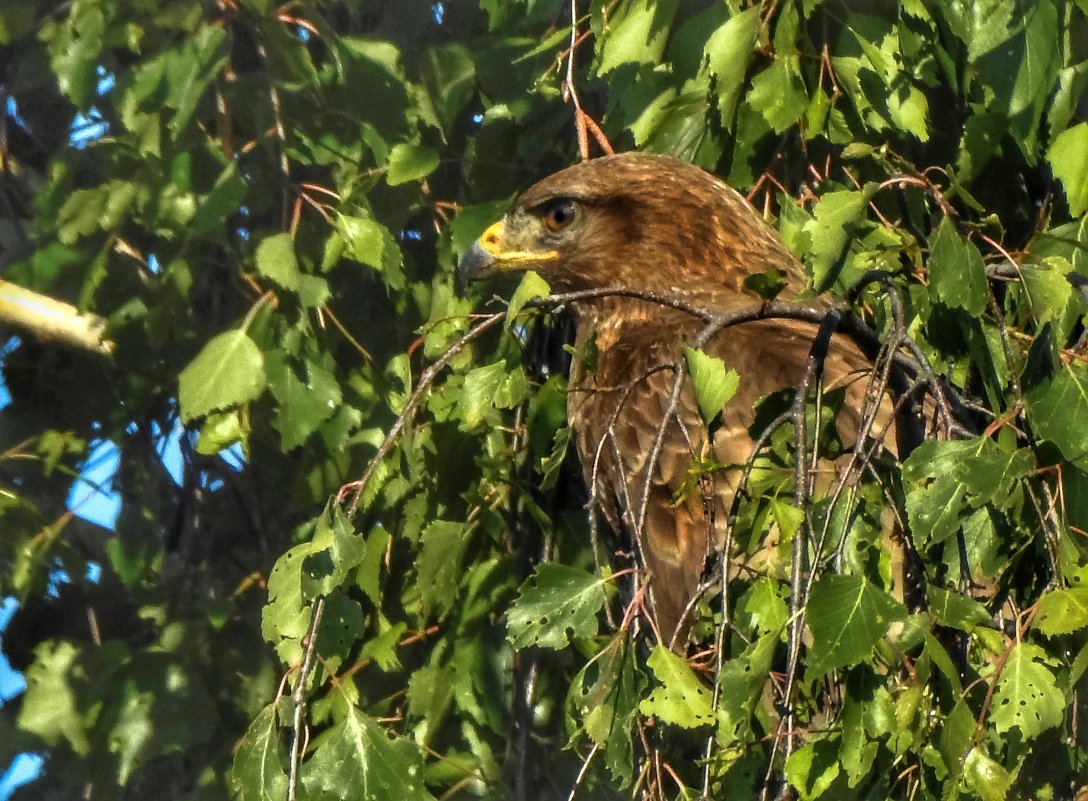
(482,259)
(491,254)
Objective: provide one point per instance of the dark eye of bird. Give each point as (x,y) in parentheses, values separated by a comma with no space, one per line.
(559,216)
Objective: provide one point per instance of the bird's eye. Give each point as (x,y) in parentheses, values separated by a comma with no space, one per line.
(559,216)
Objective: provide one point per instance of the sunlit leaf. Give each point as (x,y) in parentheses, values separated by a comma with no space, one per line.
(1027,695)
(1062,611)
(678,696)
(1068,156)
(555,605)
(357,759)
(276,260)
(714,386)
(847,616)
(227,372)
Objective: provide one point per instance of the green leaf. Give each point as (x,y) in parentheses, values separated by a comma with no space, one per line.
(439,565)
(219,431)
(728,52)
(955,610)
(191,69)
(555,605)
(1062,611)
(286,617)
(306,394)
(448,72)
(410,163)
(741,682)
(370,243)
(946,480)
(635,34)
(767,284)
(985,776)
(75,51)
(276,260)
(857,750)
(1068,157)
(714,386)
(334,551)
(1027,695)
(847,617)
(956,273)
(228,371)
(478,392)
(778,93)
(830,231)
(603,700)
(49,708)
(430,693)
(680,697)
(357,759)
(1058,411)
(342,626)
(368,577)
(89,210)
(257,773)
(764,605)
(812,768)
(1015,56)
(488,387)
(532,286)
(1049,290)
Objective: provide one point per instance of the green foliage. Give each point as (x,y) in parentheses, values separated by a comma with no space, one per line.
(557,604)
(271,221)
(714,386)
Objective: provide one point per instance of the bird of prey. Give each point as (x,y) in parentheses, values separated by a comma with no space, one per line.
(662,228)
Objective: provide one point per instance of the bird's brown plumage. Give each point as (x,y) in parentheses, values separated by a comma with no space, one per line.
(662,227)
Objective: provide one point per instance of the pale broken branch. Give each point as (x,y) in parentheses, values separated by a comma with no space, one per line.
(52,320)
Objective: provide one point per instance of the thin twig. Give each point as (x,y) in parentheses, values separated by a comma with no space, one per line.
(298,697)
(425,381)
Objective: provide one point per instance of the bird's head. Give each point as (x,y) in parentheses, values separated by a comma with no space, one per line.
(633,220)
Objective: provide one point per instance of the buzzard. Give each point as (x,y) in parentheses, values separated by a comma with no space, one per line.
(662,228)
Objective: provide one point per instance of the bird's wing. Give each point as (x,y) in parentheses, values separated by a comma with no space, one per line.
(619,413)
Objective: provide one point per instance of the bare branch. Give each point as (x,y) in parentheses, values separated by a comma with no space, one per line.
(298,697)
(52,320)
(425,381)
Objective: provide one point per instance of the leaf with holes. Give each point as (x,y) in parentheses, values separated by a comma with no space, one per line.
(681,698)
(603,700)
(1027,695)
(556,604)
(742,680)
(1062,611)
(335,550)
(357,759)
